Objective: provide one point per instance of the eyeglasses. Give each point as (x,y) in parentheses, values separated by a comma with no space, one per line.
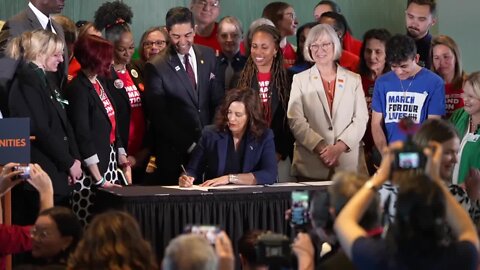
(158,43)
(41,234)
(290,15)
(205,4)
(315,47)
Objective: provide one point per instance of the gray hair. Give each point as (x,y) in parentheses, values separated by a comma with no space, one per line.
(317,32)
(189,252)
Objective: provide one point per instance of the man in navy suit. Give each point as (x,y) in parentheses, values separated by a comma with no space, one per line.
(35,16)
(179,96)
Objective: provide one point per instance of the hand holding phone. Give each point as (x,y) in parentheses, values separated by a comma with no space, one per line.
(210,232)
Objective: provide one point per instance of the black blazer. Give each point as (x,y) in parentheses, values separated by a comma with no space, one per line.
(90,120)
(122,101)
(54,147)
(24,21)
(238,62)
(176,111)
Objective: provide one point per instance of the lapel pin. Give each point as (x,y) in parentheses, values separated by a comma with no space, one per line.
(118,83)
(201,61)
(177,68)
(251,147)
(134,73)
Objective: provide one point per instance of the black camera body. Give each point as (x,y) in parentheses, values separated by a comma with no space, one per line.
(411,157)
(273,249)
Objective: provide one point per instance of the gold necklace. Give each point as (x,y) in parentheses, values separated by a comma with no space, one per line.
(410,84)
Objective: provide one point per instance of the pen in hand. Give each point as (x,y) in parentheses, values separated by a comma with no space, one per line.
(185,180)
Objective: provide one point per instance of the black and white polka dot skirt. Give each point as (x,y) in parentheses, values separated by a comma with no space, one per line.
(84,192)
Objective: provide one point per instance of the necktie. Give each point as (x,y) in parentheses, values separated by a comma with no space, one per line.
(228,74)
(189,70)
(49,26)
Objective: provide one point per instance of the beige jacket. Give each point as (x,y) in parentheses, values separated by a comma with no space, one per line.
(311,122)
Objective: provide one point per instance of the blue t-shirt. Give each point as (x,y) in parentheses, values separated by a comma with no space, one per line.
(419,97)
(373,254)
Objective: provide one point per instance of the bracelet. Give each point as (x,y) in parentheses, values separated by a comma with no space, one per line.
(100,182)
(232,178)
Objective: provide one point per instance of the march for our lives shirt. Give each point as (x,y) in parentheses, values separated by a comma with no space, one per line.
(419,97)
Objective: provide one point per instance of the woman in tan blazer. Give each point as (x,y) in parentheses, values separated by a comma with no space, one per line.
(327,111)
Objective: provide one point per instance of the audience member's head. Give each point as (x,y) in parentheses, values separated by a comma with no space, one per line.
(246,250)
(230,35)
(69,31)
(419,226)
(447,61)
(325,6)
(189,252)
(337,21)
(180,27)
(444,133)
(48,7)
(253,121)
(94,54)
(283,16)
(36,46)
(402,56)
(419,17)
(471,95)
(373,54)
(322,35)
(113,241)
(205,12)
(302,34)
(87,28)
(55,234)
(153,42)
(344,186)
(256,23)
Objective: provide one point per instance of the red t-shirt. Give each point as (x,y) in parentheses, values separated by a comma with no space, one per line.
(108,107)
(289,55)
(351,44)
(210,41)
(453,98)
(265,96)
(349,61)
(73,69)
(137,118)
(368,85)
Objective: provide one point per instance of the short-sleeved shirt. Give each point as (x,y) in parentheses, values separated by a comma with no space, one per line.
(416,97)
(372,254)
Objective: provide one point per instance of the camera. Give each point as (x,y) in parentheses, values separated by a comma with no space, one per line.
(273,249)
(411,157)
(210,232)
(25,169)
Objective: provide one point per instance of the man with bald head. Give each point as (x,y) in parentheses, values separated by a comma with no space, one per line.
(35,16)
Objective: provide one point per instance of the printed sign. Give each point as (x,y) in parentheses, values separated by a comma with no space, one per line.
(404,104)
(15,140)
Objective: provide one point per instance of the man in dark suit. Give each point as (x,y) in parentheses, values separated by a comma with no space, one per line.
(35,16)
(179,96)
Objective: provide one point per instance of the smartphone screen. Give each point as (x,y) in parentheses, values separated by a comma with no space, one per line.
(300,201)
(408,160)
(210,232)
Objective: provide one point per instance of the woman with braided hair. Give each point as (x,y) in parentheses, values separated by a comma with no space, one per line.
(265,73)
(126,83)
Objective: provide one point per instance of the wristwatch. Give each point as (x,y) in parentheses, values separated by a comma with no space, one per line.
(370,185)
(232,178)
